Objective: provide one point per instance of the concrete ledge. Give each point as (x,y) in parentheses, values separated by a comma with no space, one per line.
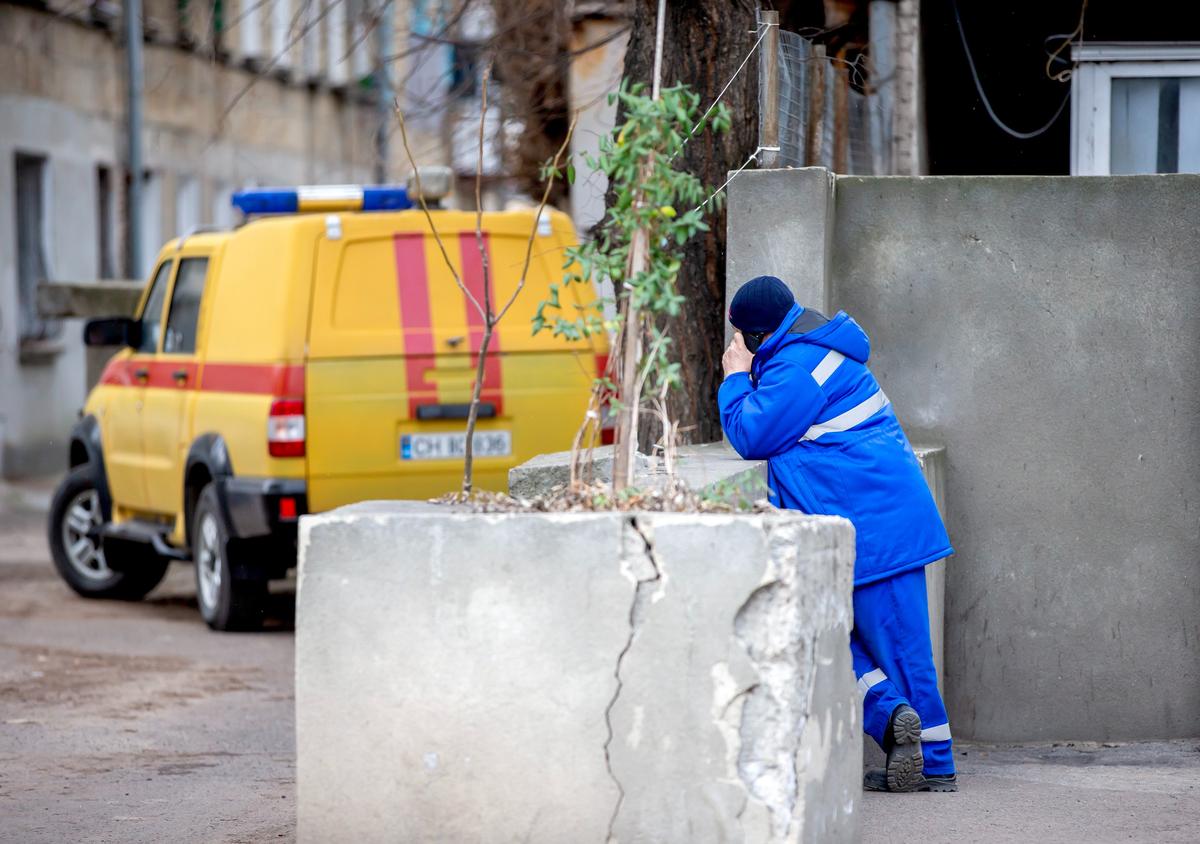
(575,677)
(66,299)
(712,466)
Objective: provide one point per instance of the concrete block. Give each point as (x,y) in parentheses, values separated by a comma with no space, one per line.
(781,224)
(711,466)
(546,471)
(575,677)
(933,466)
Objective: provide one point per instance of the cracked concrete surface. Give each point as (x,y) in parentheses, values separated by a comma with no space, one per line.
(638,559)
(582,677)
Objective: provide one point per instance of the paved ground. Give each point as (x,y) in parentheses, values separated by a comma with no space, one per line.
(1069,793)
(132,722)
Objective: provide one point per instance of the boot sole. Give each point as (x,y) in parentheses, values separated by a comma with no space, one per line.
(940,787)
(906,763)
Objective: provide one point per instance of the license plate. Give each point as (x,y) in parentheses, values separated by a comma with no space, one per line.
(453,446)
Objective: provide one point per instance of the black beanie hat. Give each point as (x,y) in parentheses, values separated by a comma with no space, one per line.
(760,305)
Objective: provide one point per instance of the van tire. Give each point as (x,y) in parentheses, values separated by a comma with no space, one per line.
(117,570)
(226,603)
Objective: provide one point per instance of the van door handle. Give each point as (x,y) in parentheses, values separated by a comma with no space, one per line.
(180,375)
(141,373)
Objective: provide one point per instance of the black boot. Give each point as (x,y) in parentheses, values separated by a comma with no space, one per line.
(902,743)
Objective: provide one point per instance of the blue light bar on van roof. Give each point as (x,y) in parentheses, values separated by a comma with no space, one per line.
(311,198)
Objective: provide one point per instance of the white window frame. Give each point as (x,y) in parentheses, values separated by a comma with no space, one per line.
(1091,92)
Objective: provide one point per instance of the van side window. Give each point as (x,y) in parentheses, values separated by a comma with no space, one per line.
(152,313)
(185,306)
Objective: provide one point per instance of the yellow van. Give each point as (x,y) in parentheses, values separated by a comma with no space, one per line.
(319,354)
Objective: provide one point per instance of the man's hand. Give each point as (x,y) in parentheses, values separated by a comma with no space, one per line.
(737,357)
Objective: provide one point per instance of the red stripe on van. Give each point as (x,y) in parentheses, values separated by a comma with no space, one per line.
(472,269)
(158,373)
(264,379)
(278,380)
(412,280)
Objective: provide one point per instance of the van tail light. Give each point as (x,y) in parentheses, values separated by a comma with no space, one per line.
(608,419)
(285,428)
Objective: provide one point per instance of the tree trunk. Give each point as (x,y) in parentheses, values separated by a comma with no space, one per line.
(531,63)
(705,41)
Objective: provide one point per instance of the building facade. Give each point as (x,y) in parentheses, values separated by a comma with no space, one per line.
(235,95)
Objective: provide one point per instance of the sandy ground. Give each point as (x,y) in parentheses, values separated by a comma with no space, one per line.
(132,722)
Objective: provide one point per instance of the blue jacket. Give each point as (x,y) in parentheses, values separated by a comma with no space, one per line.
(812,409)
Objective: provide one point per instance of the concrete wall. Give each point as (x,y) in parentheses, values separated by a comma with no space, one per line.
(575,677)
(1043,330)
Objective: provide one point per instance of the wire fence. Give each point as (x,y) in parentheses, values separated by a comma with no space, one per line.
(825,118)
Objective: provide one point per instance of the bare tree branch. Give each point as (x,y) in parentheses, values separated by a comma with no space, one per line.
(429,217)
(538,216)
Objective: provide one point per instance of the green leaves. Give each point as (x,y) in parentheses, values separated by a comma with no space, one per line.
(650,194)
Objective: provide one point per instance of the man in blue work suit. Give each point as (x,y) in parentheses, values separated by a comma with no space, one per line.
(797,392)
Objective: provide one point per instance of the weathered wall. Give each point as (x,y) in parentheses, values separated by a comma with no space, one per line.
(575,677)
(62,97)
(1045,331)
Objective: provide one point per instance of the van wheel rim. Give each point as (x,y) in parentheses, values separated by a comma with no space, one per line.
(81,536)
(208,561)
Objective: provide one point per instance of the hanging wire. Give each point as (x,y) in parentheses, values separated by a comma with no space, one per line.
(736,173)
(983,96)
(741,67)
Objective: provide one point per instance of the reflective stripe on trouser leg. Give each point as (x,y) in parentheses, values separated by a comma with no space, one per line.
(879,695)
(891,633)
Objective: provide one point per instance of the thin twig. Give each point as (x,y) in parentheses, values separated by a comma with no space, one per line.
(538,216)
(488,320)
(429,217)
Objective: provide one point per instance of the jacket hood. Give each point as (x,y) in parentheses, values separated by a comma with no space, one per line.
(841,334)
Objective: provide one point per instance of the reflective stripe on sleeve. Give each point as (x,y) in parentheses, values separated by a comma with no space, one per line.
(827,367)
(870,680)
(939,733)
(853,417)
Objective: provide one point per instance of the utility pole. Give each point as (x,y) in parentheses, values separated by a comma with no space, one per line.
(768,88)
(133,129)
(386,96)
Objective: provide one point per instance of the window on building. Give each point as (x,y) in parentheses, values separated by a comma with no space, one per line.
(222,206)
(187,205)
(153,312)
(33,263)
(185,307)
(250,31)
(106,223)
(152,223)
(1135,109)
(280,34)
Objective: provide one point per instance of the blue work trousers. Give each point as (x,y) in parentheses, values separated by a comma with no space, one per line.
(893,660)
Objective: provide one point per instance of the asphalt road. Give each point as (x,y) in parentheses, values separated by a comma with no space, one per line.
(132,722)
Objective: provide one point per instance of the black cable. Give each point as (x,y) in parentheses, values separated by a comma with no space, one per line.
(983,96)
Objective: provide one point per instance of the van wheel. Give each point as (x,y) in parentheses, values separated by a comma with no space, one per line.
(226,602)
(124,571)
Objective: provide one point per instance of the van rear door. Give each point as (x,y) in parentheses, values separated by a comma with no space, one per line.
(392,349)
